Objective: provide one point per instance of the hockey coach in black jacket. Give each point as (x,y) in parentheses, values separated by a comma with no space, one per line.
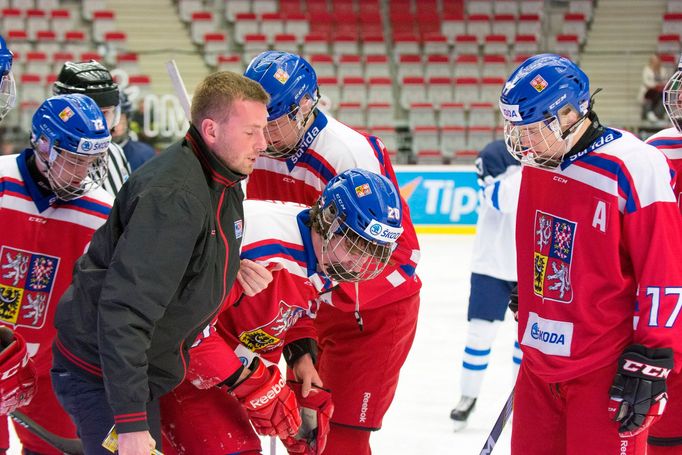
(158,270)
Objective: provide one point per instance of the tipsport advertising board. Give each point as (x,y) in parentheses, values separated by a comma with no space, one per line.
(442,199)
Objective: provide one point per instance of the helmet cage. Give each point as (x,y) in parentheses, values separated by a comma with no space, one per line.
(8,94)
(538,144)
(284,133)
(672,99)
(71,174)
(348,256)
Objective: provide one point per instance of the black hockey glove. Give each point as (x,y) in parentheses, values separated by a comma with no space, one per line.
(638,393)
(514,301)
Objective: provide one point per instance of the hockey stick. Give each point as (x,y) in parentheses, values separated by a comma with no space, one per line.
(499,426)
(179,86)
(66,445)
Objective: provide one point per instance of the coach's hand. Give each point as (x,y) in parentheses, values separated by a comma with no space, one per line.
(253,277)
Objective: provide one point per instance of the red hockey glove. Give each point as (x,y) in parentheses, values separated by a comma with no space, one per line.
(638,393)
(17,372)
(268,400)
(316,411)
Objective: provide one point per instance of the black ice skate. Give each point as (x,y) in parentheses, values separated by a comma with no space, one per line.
(461,412)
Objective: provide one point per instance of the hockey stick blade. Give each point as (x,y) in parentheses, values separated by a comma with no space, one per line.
(499,426)
(66,445)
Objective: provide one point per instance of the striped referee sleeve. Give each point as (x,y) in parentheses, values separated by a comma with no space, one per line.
(119,169)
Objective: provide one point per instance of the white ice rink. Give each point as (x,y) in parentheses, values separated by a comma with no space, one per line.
(418,421)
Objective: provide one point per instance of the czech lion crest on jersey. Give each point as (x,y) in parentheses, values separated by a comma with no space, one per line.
(554,238)
(26,281)
(271,335)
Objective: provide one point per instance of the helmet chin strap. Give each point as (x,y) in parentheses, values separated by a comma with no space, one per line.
(594,129)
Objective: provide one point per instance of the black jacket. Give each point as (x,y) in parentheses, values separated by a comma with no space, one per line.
(155,274)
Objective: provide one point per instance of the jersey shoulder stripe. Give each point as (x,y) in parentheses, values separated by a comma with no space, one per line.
(317,165)
(13,187)
(624,169)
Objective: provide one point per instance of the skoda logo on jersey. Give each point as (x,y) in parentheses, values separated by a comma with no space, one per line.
(86,146)
(549,336)
(546,337)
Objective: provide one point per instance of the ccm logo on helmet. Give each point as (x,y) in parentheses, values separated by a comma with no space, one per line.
(647,370)
(269,395)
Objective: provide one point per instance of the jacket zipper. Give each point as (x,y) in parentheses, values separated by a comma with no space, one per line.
(222,298)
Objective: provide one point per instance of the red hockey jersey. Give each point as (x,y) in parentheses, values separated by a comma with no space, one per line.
(275,235)
(669,141)
(40,239)
(599,243)
(328,148)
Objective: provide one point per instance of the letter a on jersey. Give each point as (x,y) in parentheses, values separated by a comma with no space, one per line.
(599,218)
(554,238)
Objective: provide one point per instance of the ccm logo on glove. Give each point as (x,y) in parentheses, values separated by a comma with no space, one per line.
(647,370)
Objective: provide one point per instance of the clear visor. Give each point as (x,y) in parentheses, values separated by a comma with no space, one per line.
(672,101)
(349,257)
(537,144)
(8,94)
(71,175)
(284,133)
(112,115)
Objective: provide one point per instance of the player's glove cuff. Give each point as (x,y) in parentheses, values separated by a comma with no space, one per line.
(298,348)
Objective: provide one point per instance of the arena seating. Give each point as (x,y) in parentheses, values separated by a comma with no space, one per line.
(433,67)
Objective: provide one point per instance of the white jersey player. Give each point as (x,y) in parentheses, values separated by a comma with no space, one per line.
(493,270)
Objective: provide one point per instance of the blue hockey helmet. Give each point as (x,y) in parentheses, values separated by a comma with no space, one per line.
(361,219)
(534,103)
(8,94)
(292,85)
(70,137)
(287,78)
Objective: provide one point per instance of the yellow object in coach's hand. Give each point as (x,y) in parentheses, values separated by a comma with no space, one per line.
(111,442)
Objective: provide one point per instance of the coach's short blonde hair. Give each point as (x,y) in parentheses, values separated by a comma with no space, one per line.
(215,94)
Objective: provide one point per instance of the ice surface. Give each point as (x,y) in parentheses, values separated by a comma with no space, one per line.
(418,421)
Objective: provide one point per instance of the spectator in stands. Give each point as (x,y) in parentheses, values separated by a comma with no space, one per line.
(654,78)
(94,80)
(136,152)
(493,270)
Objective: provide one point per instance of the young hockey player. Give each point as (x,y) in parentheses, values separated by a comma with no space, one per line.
(50,197)
(665,437)
(8,93)
(347,236)
(17,370)
(305,150)
(599,238)
(493,270)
